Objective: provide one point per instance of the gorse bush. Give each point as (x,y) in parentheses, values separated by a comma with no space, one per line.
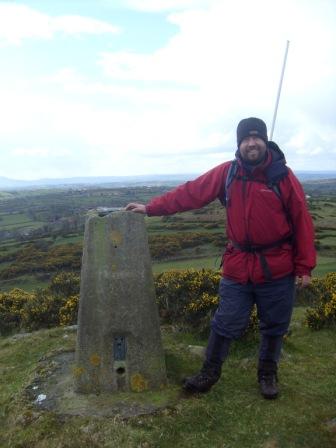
(68,312)
(53,306)
(186,299)
(189,298)
(65,284)
(322,313)
(11,309)
(37,258)
(41,311)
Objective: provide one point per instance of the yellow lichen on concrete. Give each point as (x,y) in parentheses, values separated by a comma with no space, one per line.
(138,383)
(78,371)
(116,237)
(95,360)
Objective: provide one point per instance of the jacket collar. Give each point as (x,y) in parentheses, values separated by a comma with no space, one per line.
(273,167)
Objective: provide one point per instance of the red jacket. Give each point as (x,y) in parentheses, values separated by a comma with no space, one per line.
(256,215)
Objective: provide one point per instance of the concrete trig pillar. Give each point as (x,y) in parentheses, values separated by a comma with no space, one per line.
(118,343)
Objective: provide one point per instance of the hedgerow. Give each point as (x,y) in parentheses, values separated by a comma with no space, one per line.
(35,258)
(165,246)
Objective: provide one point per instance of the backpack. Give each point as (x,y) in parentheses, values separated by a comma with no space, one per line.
(272,183)
(273,180)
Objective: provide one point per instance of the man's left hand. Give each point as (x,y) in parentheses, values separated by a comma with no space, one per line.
(301,281)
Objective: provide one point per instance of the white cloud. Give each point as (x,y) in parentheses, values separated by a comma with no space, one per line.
(82,25)
(165,5)
(36,152)
(31,152)
(233,61)
(222,47)
(19,22)
(298,140)
(170,110)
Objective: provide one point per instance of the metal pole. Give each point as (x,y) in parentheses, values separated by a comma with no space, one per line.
(279,90)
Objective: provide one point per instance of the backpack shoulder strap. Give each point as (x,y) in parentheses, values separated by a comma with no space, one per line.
(275,187)
(224,198)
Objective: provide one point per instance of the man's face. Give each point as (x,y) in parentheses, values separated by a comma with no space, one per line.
(252,149)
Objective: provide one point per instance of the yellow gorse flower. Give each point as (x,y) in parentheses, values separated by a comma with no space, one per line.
(323,312)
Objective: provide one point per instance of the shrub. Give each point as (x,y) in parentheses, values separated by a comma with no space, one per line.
(56,305)
(322,313)
(11,307)
(53,306)
(68,312)
(189,298)
(41,311)
(163,246)
(186,299)
(36,257)
(65,284)
(186,296)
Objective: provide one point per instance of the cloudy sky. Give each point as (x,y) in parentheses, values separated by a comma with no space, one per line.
(125,87)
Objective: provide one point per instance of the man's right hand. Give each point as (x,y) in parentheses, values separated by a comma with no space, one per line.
(136,208)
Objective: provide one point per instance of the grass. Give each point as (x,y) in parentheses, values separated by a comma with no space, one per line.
(195,263)
(232,415)
(26,282)
(4,265)
(72,239)
(9,220)
(324,265)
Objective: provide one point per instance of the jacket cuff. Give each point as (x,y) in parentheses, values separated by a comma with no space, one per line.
(148,210)
(302,271)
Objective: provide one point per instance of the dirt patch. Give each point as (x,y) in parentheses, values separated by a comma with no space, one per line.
(53,390)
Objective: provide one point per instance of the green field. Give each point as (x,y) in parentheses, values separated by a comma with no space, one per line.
(56,217)
(26,282)
(324,265)
(194,263)
(17,221)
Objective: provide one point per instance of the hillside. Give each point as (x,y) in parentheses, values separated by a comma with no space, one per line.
(41,231)
(232,415)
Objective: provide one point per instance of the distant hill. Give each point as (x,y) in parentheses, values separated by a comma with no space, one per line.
(315,175)
(318,187)
(125,181)
(120,181)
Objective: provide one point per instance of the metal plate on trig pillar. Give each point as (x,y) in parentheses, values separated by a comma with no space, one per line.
(119,348)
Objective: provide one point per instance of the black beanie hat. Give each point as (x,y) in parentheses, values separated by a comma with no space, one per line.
(251,126)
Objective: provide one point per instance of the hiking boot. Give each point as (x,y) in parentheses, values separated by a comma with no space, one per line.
(202,381)
(267,378)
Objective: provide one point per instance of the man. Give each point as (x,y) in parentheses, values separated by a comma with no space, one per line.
(270,248)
